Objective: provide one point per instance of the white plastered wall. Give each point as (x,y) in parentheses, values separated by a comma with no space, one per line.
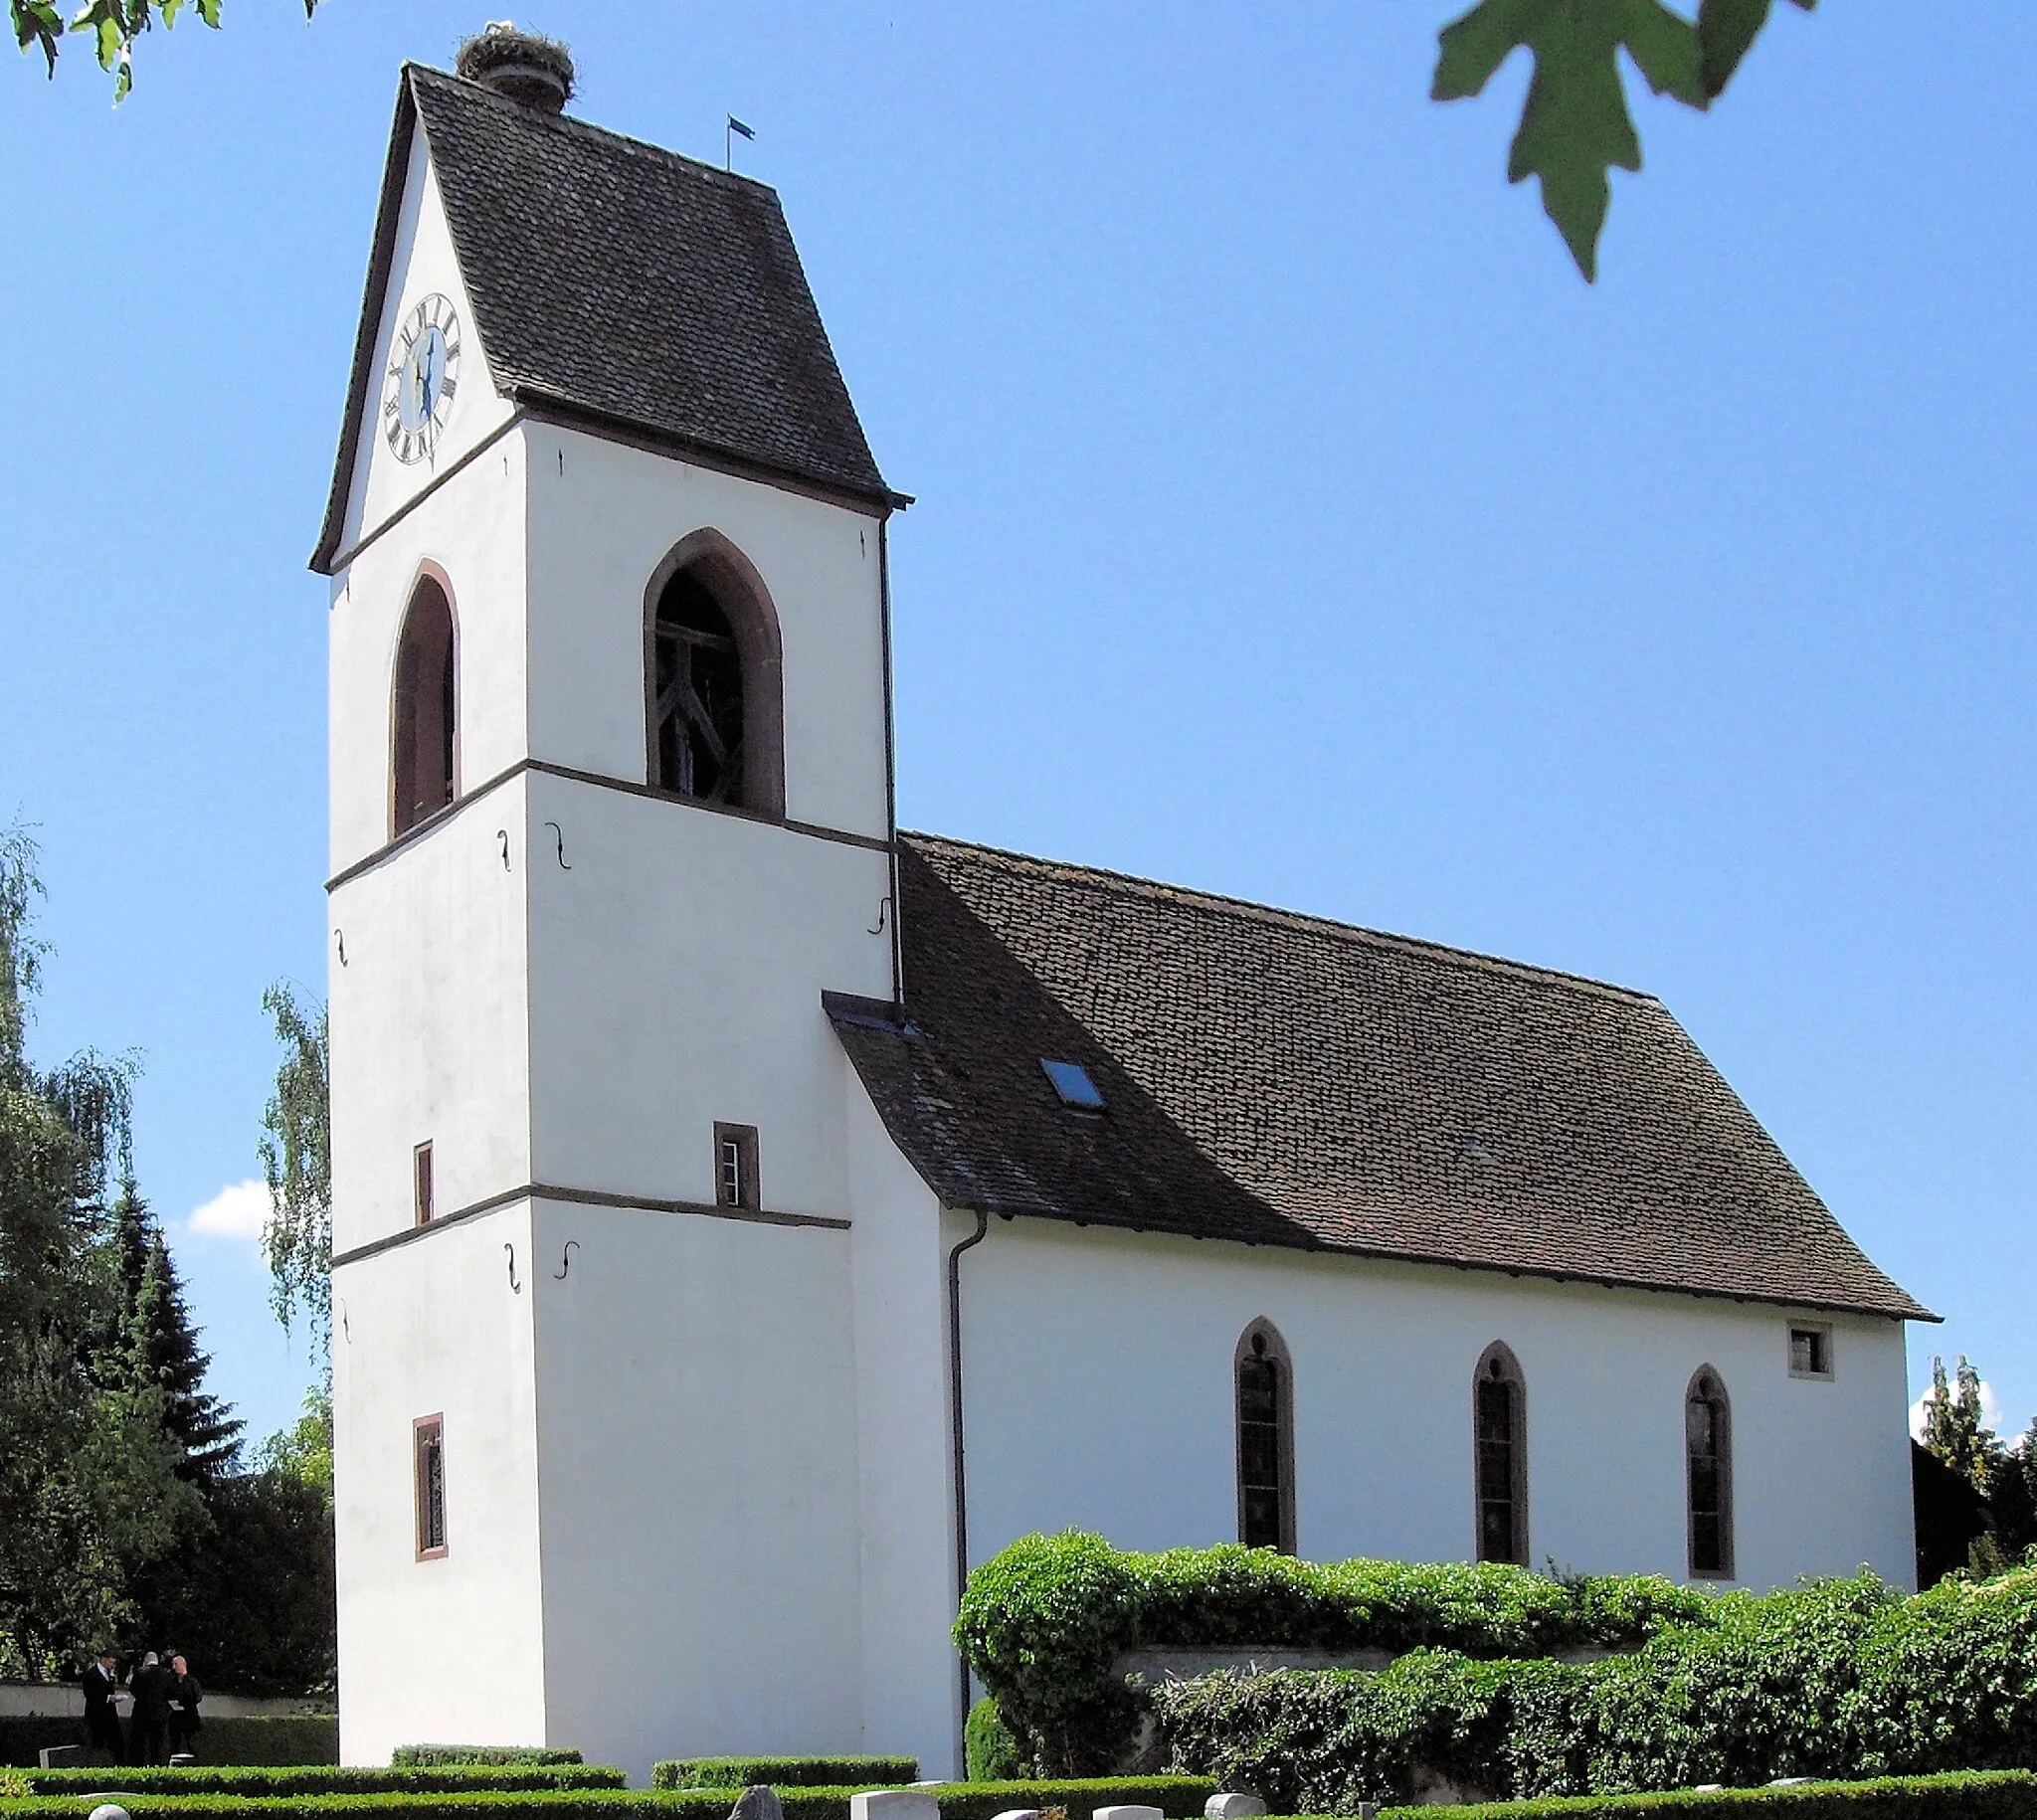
(470,533)
(1115,1412)
(677,963)
(698,1469)
(448,1649)
(429,1023)
(602,517)
(422,262)
(911,1686)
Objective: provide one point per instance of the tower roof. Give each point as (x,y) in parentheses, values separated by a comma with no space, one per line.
(622,287)
(1283,1080)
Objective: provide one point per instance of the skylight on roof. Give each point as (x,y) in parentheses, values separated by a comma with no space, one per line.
(1072,1081)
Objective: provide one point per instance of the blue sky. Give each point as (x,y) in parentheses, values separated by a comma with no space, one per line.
(1292,523)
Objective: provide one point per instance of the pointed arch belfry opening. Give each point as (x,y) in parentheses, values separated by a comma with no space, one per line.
(1264,1376)
(1499,1440)
(713,674)
(1708,1475)
(424,721)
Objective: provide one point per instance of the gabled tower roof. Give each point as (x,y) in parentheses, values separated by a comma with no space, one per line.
(622,287)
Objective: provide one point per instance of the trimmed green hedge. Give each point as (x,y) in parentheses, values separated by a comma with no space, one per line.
(1986,1795)
(1179,1797)
(286,1739)
(785,1771)
(1837,1679)
(1041,1622)
(328,1780)
(430,1756)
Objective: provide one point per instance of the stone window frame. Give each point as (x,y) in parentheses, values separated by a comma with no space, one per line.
(1272,1347)
(1708,1387)
(749,1190)
(1498,1364)
(422,1186)
(1823,1330)
(402,712)
(739,592)
(428,1437)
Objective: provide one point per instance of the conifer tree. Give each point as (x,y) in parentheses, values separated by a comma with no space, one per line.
(159,1347)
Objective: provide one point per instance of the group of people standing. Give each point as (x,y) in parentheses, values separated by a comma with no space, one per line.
(164,1720)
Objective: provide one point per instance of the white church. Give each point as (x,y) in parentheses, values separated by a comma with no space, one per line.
(748,1216)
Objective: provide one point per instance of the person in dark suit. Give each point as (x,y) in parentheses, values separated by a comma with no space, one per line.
(185,1694)
(102,1713)
(147,1729)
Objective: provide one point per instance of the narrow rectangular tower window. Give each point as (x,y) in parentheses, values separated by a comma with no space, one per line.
(735,1165)
(421,1174)
(428,1446)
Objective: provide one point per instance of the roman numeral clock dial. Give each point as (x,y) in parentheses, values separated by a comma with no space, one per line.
(423,378)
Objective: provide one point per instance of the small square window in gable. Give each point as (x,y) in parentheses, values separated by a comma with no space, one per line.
(1811,1350)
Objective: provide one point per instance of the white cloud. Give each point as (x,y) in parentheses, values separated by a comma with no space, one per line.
(238,1210)
(1991,1415)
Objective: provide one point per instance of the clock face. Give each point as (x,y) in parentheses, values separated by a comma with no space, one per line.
(423,376)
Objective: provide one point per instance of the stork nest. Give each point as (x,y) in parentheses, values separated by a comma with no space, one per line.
(502,54)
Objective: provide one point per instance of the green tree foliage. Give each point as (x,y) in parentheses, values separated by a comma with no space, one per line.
(1575,127)
(89,1481)
(112,27)
(126,1516)
(297,1163)
(155,1347)
(1954,1429)
(302,1452)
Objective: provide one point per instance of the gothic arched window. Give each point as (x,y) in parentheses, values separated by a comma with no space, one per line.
(1708,1457)
(1265,1439)
(424,731)
(1499,1418)
(713,675)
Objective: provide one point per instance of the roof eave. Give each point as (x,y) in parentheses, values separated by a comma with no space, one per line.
(546,406)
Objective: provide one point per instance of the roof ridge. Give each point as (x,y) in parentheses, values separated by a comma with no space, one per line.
(1299,919)
(569,123)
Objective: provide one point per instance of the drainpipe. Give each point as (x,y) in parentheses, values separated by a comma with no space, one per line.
(983,1225)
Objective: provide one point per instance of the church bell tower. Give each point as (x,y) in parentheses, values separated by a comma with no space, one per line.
(611,809)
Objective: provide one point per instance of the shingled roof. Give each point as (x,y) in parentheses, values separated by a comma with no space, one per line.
(1283,1080)
(620,284)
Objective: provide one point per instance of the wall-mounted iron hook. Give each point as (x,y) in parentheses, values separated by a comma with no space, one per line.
(513,1284)
(884,911)
(559,835)
(339,937)
(565,1261)
(502,834)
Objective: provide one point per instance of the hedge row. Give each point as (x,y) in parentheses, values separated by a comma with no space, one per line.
(1179,1797)
(785,1771)
(1838,1679)
(1990,1795)
(328,1780)
(280,1739)
(429,1756)
(1043,1623)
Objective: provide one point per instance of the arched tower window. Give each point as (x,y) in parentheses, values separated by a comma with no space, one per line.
(1708,1456)
(1499,1421)
(424,731)
(712,670)
(1265,1439)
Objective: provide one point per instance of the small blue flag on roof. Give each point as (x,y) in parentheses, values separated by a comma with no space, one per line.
(736,126)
